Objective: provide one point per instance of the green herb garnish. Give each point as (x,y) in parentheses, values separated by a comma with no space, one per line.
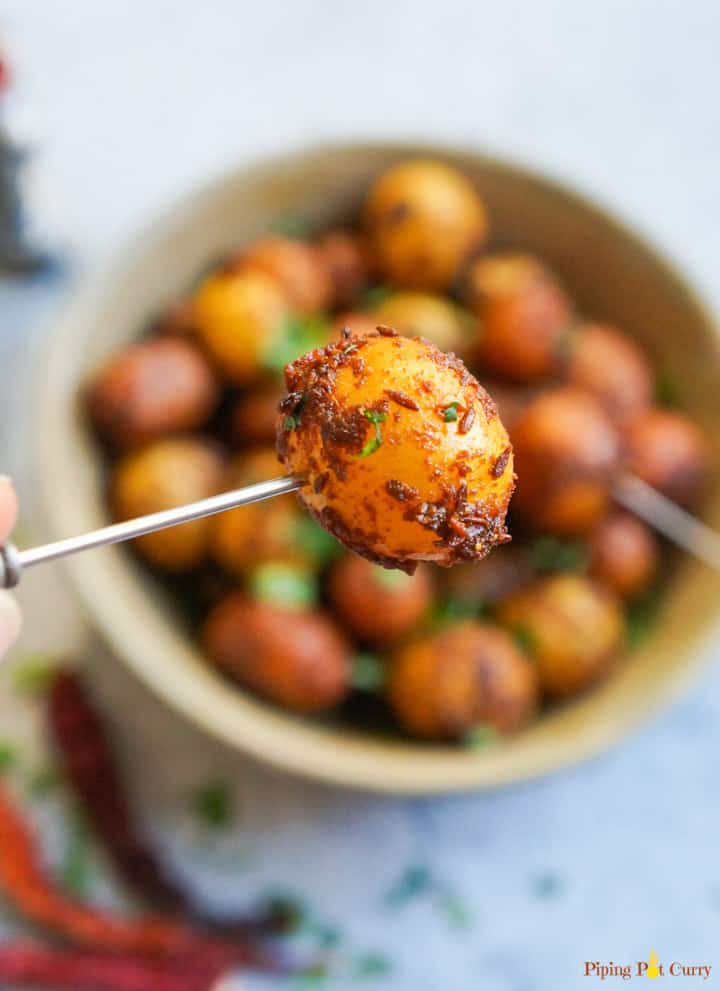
(34,674)
(376,417)
(374,297)
(368,673)
(549,554)
(417,880)
(283,585)
(297,336)
(482,738)
(8,756)
(666,392)
(391,578)
(642,616)
(314,541)
(214,806)
(525,639)
(450,412)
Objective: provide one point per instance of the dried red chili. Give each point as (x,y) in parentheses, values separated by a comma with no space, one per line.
(35,966)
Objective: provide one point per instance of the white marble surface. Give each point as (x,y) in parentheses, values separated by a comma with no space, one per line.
(129,103)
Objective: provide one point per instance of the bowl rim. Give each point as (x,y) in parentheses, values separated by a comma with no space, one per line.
(365,764)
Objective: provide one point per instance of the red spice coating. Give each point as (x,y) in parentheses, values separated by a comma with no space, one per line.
(400,485)
(152,389)
(296,658)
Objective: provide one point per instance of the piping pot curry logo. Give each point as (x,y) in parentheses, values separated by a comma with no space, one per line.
(651,968)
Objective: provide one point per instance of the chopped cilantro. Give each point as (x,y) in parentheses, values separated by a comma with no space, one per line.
(453,609)
(214,806)
(525,639)
(368,672)
(33,674)
(375,296)
(666,392)
(370,965)
(8,756)
(417,880)
(482,737)
(314,541)
(291,422)
(376,417)
(641,618)
(391,578)
(283,585)
(74,869)
(550,554)
(450,412)
(299,335)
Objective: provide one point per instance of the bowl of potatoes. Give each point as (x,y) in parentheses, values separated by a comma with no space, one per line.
(283,628)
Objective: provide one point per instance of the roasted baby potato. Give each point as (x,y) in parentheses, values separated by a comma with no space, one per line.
(524,316)
(608,363)
(624,554)
(297,267)
(419,314)
(162,475)
(412,466)
(378,606)
(468,675)
(150,389)
(573,628)
(423,219)
(296,658)
(567,453)
(241,317)
(344,256)
(668,451)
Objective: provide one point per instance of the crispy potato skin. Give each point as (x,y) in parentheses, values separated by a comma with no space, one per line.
(575,629)
(467,675)
(377,606)
(423,219)
(624,554)
(419,314)
(524,315)
(428,489)
(296,266)
(668,451)
(567,453)
(151,389)
(242,539)
(608,364)
(345,258)
(295,658)
(164,474)
(239,316)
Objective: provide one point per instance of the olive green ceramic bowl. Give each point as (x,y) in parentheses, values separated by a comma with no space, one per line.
(613,274)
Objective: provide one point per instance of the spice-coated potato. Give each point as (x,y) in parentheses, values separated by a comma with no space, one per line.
(296,658)
(524,316)
(467,675)
(345,258)
(241,317)
(419,314)
(489,581)
(296,265)
(402,452)
(573,627)
(157,387)
(624,554)
(423,219)
(612,367)
(668,451)
(376,605)
(165,474)
(567,453)
(243,538)
(254,414)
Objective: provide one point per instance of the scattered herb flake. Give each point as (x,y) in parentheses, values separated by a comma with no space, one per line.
(314,541)
(291,422)
(374,297)
(666,392)
(450,412)
(74,869)
(641,617)
(482,737)
(214,806)
(525,639)
(548,554)
(296,337)
(370,965)
(376,417)
(8,756)
(283,585)
(417,880)
(451,610)
(368,673)
(33,674)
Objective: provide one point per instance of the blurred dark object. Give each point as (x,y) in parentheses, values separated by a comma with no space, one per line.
(17,257)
